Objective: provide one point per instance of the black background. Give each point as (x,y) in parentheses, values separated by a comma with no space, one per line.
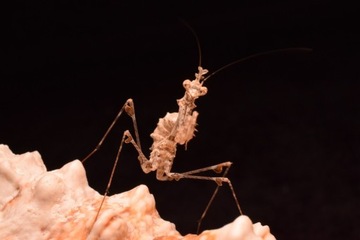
(288,121)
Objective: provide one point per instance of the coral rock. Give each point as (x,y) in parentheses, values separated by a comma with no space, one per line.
(59,204)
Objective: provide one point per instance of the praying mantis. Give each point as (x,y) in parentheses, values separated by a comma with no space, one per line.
(176,128)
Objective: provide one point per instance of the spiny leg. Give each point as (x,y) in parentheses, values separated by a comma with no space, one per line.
(126,138)
(123,139)
(145,164)
(219,180)
(129,108)
(213,197)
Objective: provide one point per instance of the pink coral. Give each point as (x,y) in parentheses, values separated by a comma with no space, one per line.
(40,204)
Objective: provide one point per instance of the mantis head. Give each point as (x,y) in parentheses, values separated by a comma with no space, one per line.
(195,87)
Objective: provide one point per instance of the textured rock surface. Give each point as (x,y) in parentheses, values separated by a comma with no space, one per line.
(59,204)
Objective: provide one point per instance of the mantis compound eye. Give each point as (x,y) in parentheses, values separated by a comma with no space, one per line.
(186,84)
(203,91)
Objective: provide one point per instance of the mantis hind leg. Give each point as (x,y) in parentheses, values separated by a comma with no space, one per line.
(218,168)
